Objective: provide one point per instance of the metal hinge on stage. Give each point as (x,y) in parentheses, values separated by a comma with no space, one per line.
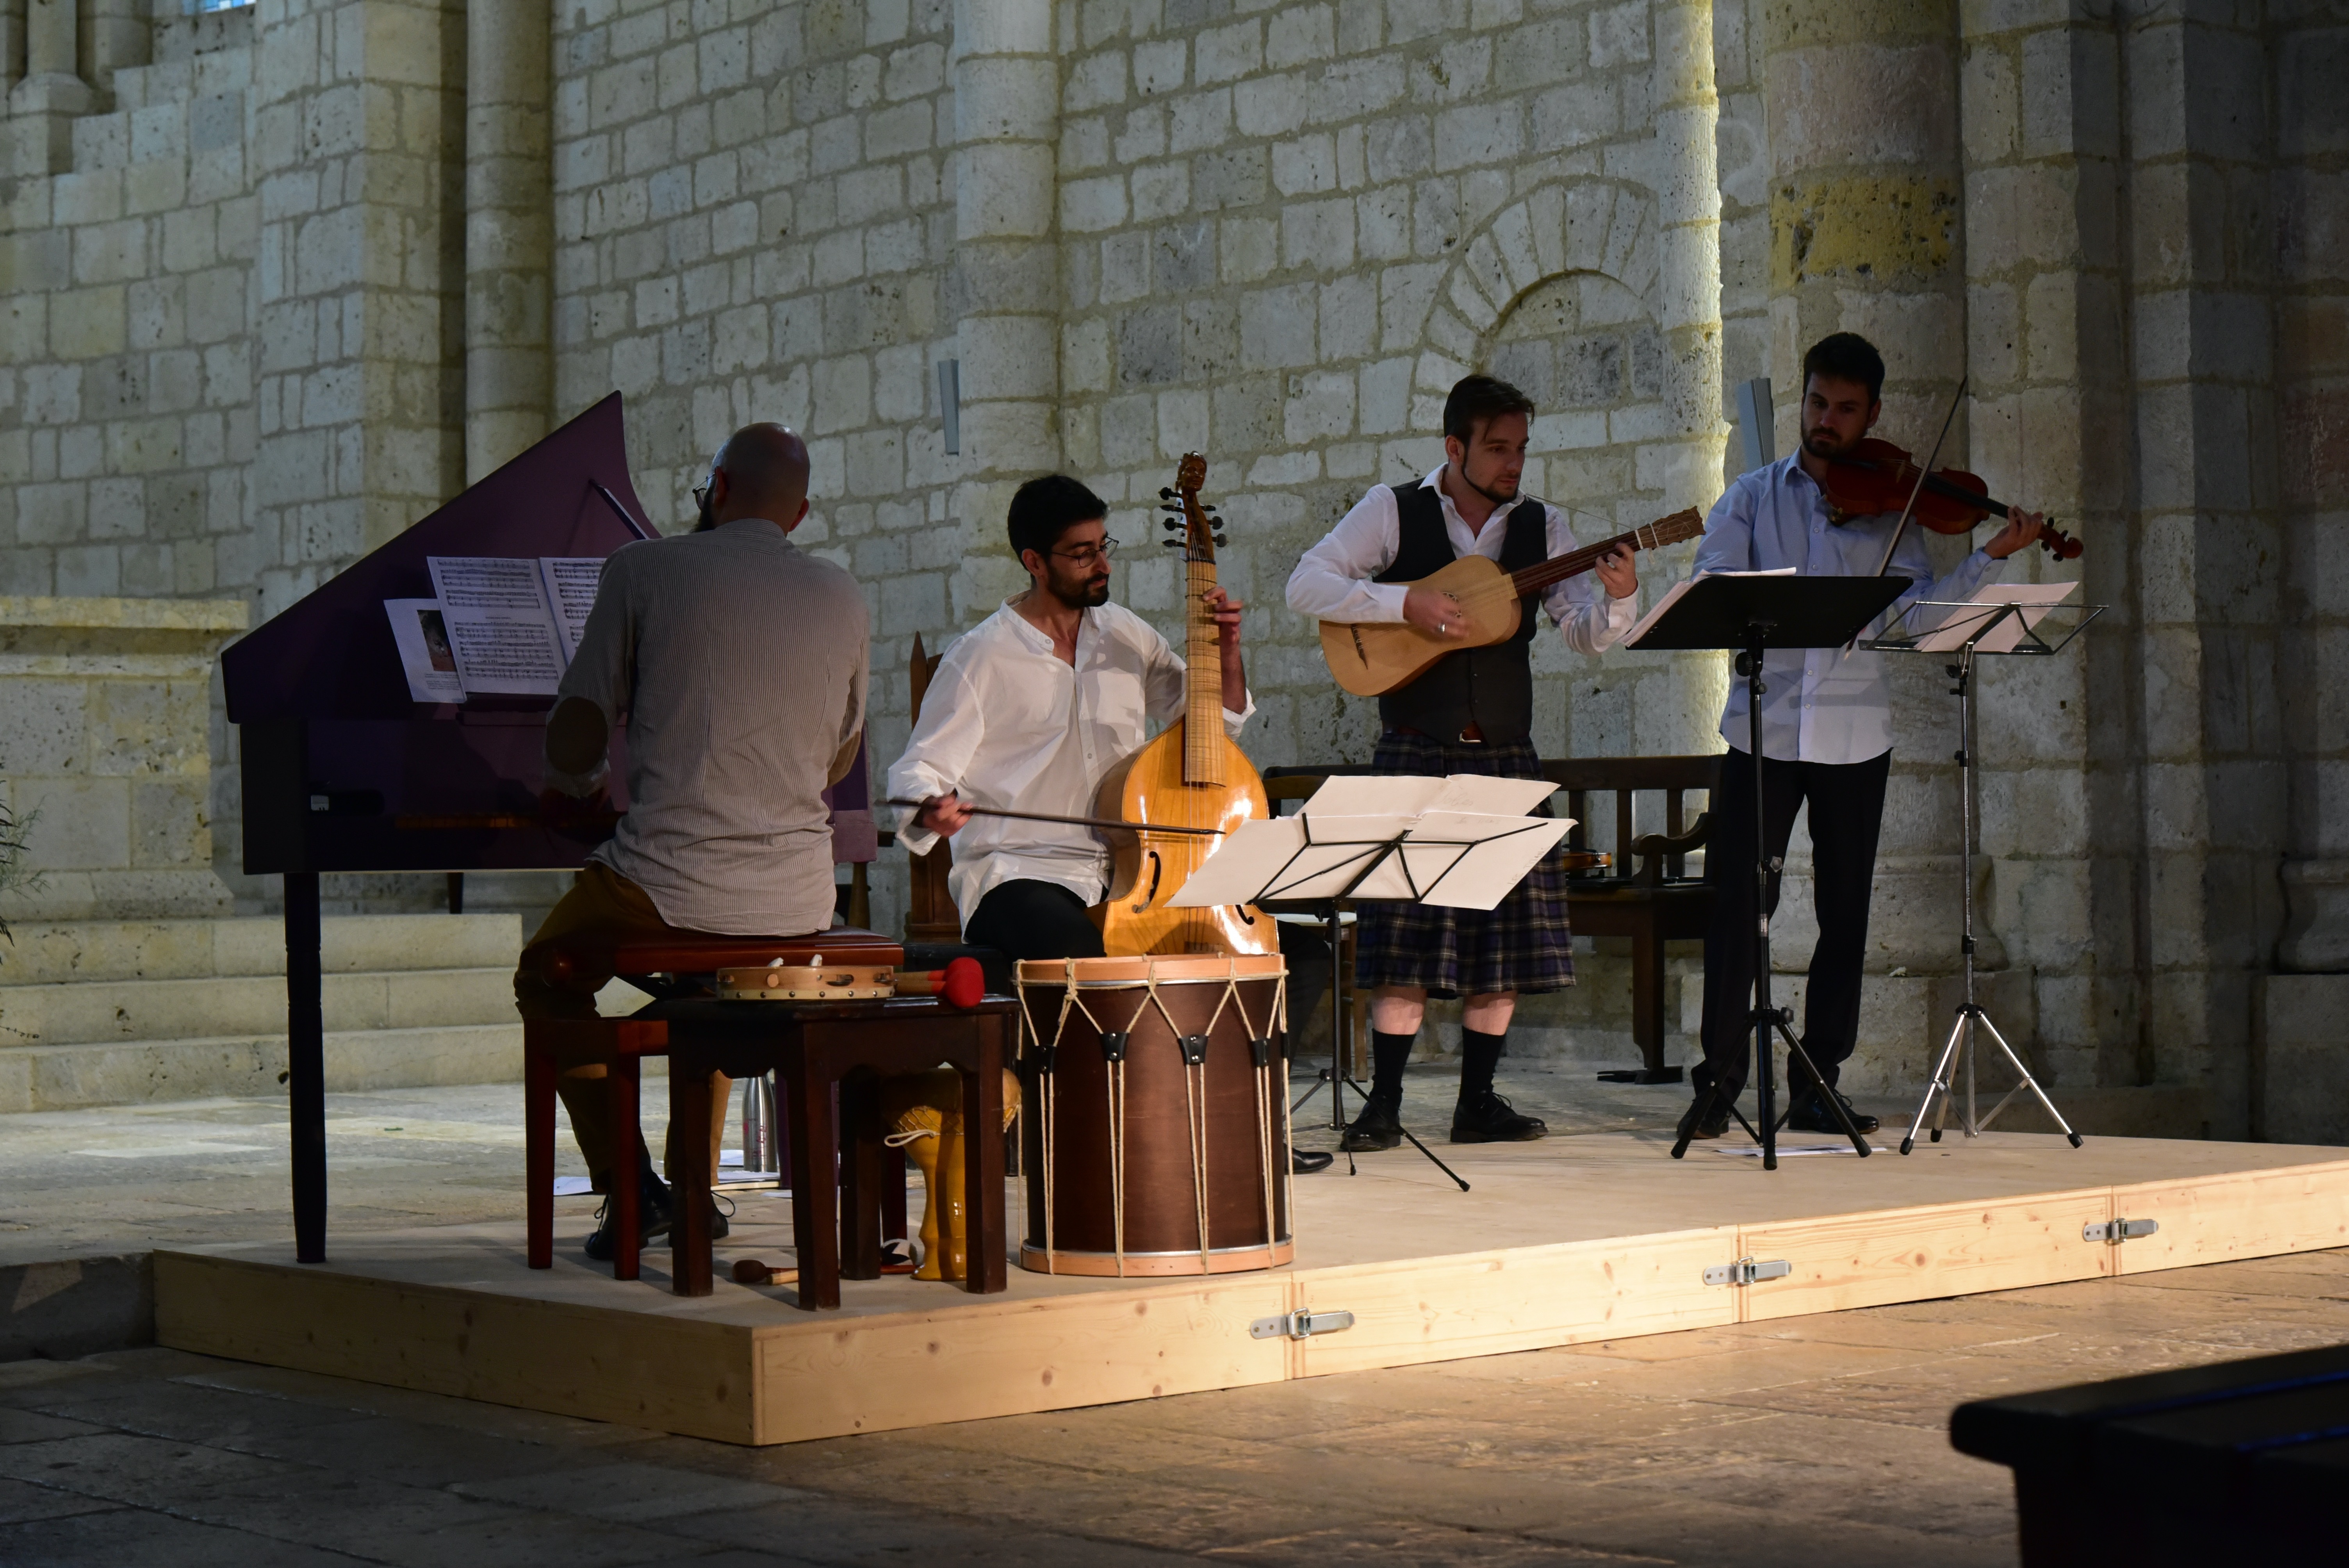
(1299,1324)
(2115,1232)
(1745,1271)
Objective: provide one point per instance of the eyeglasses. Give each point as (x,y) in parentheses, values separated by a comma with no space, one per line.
(699,492)
(1087,554)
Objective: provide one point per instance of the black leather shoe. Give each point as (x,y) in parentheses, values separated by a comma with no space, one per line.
(1488,1119)
(1699,1122)
(1305,1161)
(652,1220)
(1811,1115)
(1378,1127)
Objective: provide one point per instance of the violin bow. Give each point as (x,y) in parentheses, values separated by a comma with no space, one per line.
(1111,822)
(1918,489)
(1915,491)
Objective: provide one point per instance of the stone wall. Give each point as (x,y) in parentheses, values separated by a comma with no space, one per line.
(275,282)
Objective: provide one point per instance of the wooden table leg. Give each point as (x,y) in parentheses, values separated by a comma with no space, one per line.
(690,1111)
(815,1215)
(860,1176)
(621,1086)
(982,1120)
(538,1140)
(1648,999)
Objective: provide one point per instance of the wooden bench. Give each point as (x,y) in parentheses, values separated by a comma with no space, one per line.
(1651,902)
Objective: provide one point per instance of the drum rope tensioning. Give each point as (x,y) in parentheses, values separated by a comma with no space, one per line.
(1210,1095)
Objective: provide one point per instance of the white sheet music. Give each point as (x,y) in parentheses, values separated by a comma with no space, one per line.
(513,622)
(1459,860)
(1942,630)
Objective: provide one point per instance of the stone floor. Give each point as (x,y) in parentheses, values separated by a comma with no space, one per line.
(1818,1443)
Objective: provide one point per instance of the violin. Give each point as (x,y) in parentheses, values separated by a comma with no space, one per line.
(1877,476)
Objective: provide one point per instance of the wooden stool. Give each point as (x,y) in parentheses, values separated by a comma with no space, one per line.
(619,1046)
(811,1048)
(669,961)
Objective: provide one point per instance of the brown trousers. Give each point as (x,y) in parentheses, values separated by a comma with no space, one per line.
(601,905)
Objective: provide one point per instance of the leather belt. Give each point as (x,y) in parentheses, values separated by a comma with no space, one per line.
(1472,736)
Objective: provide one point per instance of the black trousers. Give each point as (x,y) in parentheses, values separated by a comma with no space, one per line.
(1847,815)
(1028,920)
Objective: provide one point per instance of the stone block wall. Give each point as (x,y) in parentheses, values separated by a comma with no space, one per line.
(106,754)
(263,274)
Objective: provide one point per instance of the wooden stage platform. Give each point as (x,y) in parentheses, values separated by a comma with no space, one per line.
(1568,1240)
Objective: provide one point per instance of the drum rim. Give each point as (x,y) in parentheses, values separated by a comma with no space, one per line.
(1055,971)
(1041,1250)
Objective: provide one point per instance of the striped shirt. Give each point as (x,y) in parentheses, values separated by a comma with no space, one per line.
(738,662)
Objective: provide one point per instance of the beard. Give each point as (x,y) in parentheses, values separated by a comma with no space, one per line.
(1501,491)
(1821,442)
(1081,592)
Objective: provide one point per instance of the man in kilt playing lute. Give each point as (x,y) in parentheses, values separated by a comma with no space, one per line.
(1471,712)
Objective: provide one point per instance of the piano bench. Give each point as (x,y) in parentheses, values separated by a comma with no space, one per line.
(619,1046)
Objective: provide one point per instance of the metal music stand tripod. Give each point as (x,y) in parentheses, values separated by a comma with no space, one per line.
(1963,629)
(1753,613)
(1335,880)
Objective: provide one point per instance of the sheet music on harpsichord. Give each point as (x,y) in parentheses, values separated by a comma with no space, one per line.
(1461,842)
(508,626)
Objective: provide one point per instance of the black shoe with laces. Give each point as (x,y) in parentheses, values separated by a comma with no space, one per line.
(1810,1114)
(652,1220)
(1699,1121)
(1378,1127)
(1486,1118)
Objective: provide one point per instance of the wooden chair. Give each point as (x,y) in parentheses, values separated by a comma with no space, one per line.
(1652,903)
(930,914)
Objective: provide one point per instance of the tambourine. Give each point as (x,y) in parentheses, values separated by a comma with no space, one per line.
(959,985)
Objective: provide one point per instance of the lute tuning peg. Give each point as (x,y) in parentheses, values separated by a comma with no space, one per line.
(1165,494)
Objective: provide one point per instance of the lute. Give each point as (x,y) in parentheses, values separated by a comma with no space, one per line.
(1371,658)
(1190,776)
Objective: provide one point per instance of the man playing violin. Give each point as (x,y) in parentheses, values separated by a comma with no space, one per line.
(1827,733)
(1471,712)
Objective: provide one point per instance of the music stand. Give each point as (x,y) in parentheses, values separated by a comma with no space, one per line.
(2003,620)
(1753,613)
(1298,865)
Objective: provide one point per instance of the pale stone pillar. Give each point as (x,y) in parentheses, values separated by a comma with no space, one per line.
(42,107)
(1006,281)
(1688,250)
(1866,236)
(358,270)
(1865,201)
(509,231)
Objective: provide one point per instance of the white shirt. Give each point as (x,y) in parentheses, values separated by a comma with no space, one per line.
(1332,582)
(725,830)
(1822,705)
(1006,722)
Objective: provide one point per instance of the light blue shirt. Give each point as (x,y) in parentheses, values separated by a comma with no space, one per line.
(1822,705)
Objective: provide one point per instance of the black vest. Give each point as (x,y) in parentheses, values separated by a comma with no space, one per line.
(1492,687)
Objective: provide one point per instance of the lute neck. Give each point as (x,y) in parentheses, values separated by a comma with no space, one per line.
(1574,563)
(1202,682)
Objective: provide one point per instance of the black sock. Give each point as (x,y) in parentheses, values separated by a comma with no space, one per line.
(1479,1054)
(1390,1054)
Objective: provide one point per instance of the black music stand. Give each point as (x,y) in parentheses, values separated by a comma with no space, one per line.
(1338,881)
(1751,614)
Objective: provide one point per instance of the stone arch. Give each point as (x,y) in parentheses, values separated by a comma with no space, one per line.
(1589,226)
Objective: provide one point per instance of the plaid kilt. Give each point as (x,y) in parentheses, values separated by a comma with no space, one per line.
(1520,945)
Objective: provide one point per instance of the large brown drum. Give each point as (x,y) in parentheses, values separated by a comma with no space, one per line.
(1156,1139)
